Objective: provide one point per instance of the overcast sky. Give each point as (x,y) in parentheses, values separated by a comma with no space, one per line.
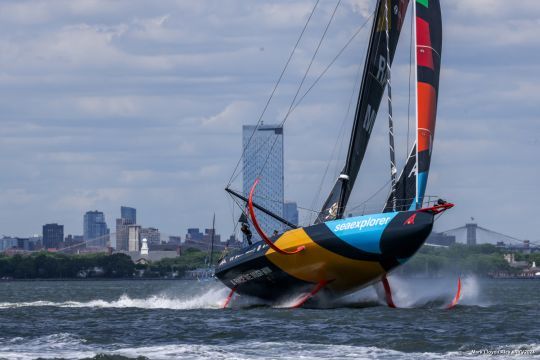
(140,103)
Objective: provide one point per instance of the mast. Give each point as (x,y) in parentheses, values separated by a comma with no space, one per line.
(415,66)
(393,169)
(381,50)
(212,243)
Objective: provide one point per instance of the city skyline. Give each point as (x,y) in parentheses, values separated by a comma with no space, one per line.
(142,104)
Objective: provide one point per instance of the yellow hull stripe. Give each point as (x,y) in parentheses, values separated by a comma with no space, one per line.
(316,263)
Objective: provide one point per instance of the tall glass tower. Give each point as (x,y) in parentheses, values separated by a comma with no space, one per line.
(95,227)
(263,158)
(128,213)
(290,212)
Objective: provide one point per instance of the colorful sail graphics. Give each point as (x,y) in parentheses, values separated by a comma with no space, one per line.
(428,58)
(369,99)
(411,186)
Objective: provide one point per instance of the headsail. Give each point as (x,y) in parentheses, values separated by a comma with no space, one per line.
(428,55)
(369,99)
(428,43)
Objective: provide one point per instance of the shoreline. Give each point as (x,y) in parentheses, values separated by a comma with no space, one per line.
(191,279)
(96,279)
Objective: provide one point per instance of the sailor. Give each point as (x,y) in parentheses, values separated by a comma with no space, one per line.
(441,202)
(245,229)
(275,234)
(224,253)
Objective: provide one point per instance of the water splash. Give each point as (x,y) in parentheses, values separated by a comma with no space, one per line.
(432,292)
(407,293)
(207,298)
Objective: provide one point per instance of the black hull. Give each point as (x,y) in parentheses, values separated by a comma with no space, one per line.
(329,257)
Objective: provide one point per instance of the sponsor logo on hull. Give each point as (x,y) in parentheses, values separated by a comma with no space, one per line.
(362,232)
(360,224)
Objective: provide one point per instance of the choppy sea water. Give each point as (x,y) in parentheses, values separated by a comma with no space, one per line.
(183,320)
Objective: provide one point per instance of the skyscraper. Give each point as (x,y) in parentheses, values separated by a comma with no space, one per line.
(53,235)
(128,213)
(134,236)
(95,229)
(290,212)
(263,158)
(122,234)
(128,216)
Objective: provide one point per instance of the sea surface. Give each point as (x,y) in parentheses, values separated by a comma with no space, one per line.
(183,320)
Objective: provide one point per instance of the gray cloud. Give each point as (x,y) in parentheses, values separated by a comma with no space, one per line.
(141,103)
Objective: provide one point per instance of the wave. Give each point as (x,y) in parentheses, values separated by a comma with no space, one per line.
(406,292)
(71,347)
(209,299)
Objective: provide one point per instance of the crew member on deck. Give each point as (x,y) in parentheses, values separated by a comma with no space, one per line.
(245,229)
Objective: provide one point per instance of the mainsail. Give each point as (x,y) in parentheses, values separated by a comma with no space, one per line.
(405,191)
(411,186)
(369,99)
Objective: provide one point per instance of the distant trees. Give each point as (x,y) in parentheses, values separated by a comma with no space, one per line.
(46,265)
(54,265)
(191,259)
(458,258)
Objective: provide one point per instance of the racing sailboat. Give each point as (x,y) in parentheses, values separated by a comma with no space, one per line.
(340,255)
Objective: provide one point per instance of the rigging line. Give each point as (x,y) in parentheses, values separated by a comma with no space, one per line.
(333,61)
(302,82)
(316,81)
(342,127)
(261,197)
(256,150)
(372,196)
(233,217)
(338,142)
(235,229)
(259,207)
(312,61)
(276,85)
(321,75)
(281,202)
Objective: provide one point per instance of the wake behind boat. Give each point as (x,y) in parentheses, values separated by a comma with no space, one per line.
(338,255)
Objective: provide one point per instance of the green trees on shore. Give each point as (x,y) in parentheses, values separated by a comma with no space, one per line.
(462,259)
(189,260)
(46,265)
